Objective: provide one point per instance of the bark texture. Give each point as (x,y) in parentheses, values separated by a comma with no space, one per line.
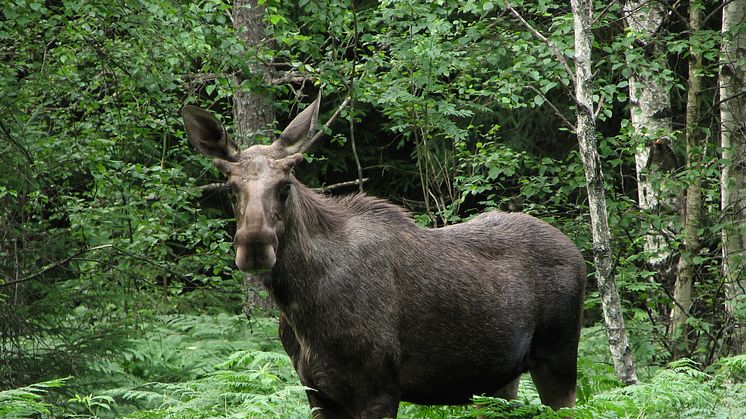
(682,293)
(733,180)
(586,131)
(253,113)
(650,115)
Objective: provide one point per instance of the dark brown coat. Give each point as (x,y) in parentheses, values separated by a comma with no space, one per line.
(376,310)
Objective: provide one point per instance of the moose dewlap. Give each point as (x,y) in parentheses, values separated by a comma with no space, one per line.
(376,310)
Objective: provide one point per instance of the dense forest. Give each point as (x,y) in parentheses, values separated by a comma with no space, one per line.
(118,291)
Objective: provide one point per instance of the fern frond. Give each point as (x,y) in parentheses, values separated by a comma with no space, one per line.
(28,401)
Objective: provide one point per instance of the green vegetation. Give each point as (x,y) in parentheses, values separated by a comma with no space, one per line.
(189,366)
(118,293)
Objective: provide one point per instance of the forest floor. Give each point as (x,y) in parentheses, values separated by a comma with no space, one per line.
(221,365)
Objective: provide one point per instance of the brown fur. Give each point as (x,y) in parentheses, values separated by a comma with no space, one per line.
(376,310)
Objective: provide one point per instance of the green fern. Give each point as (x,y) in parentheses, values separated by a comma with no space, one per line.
(413,411)
(192,366)
(680,390)
(177,349)
(184,347)
(248,384)
(28,401)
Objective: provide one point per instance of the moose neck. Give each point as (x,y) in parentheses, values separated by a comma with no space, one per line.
(313,223)
(311,216)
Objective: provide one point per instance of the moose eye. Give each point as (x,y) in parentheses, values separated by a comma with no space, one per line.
(285,189)
(232,189)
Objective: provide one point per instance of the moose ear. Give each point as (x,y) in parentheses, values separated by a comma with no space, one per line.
(298,136)
(290,161)
(207,135)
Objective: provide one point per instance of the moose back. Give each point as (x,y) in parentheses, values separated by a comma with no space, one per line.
(376,310)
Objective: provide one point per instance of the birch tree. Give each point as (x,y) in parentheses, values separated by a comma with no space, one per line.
(682,293)
(586,132)
(650,115)
(733,177)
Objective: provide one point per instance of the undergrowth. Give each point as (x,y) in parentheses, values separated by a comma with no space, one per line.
(680,390)
(199,366)
(248,384)
(28,401)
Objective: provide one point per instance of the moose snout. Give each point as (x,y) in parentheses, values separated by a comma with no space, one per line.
(255,250)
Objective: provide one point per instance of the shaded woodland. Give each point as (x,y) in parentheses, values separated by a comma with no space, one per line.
(118,290)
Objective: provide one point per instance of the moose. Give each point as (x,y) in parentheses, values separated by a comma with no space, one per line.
(375,309)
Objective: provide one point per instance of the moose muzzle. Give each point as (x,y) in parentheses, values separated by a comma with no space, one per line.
(255,250)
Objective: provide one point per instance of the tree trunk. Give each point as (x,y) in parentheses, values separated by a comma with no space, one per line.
(733,178)
(694,150)
(650,115)
(586,130)
(253,113)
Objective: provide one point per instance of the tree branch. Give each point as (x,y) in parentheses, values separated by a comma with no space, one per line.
(55,264)
(555,50)
(292,77)
(714,12)
(213,187)
(333,186)
(331,120)
(352,100)
(20,146)
(565,121)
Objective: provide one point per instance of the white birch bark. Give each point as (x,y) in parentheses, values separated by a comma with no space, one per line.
(650,115)
(586,131)
(733,178)
(682,292)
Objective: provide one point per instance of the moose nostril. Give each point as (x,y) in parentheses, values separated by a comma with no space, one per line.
(256,259)
(255,249)
(256,238)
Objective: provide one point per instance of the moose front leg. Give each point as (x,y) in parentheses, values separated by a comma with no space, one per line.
(381,406)
(289,340)
(510,390)
(384,406)
(325,408)
(363,402)
(359,396)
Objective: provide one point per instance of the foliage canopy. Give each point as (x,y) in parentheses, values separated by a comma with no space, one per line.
(115,251)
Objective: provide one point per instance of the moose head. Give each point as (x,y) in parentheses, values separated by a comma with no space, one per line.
(260,177)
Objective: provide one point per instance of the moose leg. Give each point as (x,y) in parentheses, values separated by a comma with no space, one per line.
(510,390)
(556,383)
(325,408)
(289,340)
(375,407)
(382,406)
